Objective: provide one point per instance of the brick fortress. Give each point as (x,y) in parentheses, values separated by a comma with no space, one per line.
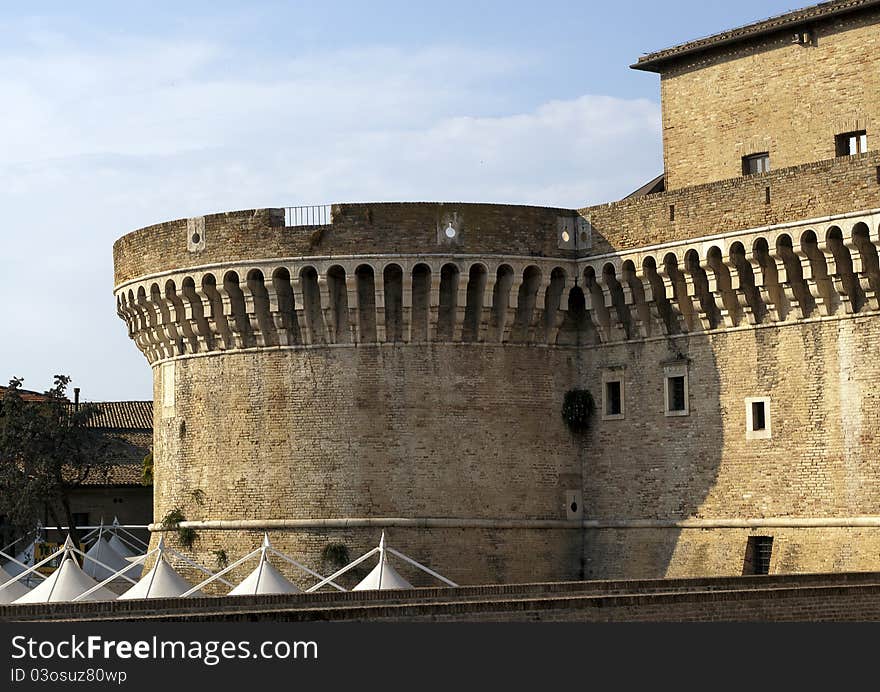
(404,366)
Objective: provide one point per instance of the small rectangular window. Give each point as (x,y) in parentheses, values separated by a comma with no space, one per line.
(612,395)
(756,163)
(851,143)
(612,398)
(676,390)
(676,393)
(759,421)
(758,418)
(759,550)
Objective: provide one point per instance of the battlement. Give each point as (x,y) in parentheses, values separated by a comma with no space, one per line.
(415,273)
(355,229)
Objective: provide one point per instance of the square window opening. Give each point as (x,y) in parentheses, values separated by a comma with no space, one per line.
(851,143)
(756,163)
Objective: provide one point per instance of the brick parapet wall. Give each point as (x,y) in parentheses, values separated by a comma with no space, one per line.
(356,229)
(853,596)
(813,190)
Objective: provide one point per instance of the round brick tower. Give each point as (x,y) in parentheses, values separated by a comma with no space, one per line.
(393,366)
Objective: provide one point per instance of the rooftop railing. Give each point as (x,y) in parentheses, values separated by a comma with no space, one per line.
(313,215)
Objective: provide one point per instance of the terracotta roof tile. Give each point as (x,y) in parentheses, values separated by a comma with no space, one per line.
(655,62)
(122,415)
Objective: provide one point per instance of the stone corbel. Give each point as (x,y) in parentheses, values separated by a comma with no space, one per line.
(761,286)
(512,306)
(238,338)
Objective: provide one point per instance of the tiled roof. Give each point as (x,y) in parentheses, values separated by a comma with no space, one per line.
(122,415)
(26,394)
(126,428)
(654,62)
(123,458)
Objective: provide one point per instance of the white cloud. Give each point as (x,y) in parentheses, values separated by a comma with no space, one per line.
(95,143)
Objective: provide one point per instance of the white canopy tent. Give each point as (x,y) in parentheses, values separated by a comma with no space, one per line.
(265,578)
(15,588)
(67,582)
(162,581)
(101,561)
(121,548)
(125,542)
(383,576)
(22,560)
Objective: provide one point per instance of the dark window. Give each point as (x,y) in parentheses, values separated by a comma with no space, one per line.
(80,518)
(613,402)
(850,143)
(756,163)
(675,387)
(758,552)
(759,415)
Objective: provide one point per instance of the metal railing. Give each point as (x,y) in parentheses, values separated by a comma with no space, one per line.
(314,215)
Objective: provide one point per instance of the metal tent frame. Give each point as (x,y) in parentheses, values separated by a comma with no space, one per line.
(381,549)
(263,551)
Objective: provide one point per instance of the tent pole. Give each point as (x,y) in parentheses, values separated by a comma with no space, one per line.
(113,576)
(220,573)
(98,562)
(304,568)
(345,569)
(195,565)
(421,567)
(33,569)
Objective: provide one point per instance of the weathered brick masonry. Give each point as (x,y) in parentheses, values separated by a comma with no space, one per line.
(808,597)
(404,365)
(765,93)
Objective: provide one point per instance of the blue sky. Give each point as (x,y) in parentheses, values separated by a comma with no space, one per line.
(119,115)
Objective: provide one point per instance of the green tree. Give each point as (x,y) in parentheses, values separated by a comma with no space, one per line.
(46,450)
(147,469)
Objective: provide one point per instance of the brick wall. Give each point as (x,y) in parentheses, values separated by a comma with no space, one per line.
(435,431)
(837,597)
(357,229)
(822,188)
(818,462)
(769,94)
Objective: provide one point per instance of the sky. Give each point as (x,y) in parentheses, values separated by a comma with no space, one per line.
(118,115)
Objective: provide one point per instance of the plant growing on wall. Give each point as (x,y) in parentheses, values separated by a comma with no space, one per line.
(147,470)
(172,520)
(578,408)
(335,554)
(221,559)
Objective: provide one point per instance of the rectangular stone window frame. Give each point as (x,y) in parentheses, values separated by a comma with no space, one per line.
(671,372)
(851,143)
(752,433)
(615,375)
